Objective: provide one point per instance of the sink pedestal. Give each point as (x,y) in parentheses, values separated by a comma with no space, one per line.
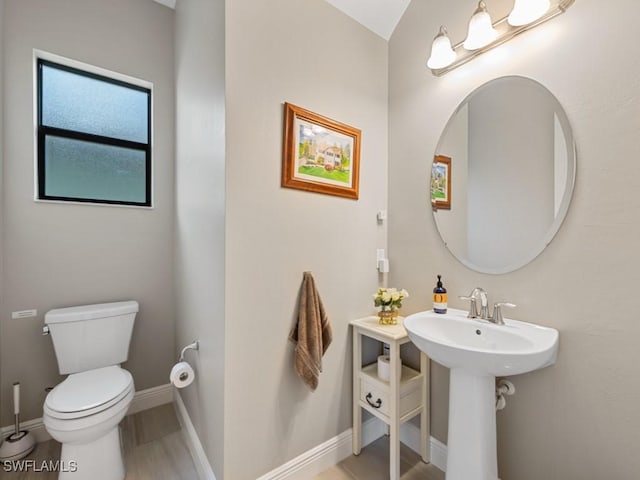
(476,352)
(471,449)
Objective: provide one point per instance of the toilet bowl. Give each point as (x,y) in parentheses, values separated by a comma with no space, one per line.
(83,413)
(84,410)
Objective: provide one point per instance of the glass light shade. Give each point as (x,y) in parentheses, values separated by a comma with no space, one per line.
(442,55)
(527,11)
(481,31)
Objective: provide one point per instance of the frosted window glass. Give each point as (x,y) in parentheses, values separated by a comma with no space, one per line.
(85,170)
(76,102)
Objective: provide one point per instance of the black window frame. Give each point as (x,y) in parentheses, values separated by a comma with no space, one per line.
(43,131)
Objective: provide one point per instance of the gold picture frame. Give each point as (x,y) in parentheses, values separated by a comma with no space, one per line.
(320,155)
(441,183)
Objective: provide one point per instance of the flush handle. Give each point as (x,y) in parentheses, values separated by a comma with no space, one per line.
(45,330)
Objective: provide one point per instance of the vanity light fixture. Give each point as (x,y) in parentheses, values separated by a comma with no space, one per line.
(483,34)
(441,52)
(527,11)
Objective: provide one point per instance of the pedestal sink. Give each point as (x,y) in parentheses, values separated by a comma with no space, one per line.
(477,351)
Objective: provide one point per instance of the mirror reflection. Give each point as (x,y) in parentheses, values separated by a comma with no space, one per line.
(503,175)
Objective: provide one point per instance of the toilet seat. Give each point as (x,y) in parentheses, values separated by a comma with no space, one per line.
(88,393)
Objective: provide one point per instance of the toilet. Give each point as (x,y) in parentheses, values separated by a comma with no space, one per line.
(84,410)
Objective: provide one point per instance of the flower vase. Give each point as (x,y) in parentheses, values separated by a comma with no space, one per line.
(388,317)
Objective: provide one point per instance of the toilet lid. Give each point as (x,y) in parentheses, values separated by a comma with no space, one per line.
(84,391)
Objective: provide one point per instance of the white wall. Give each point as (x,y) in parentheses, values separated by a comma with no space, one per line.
(309,54)
(577,419)
(58,255)
(200,197)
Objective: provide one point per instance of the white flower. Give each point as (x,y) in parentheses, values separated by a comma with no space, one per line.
(390,297)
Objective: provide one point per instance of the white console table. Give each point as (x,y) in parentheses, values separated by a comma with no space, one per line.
(396,401)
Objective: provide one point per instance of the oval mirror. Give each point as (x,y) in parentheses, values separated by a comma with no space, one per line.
(503,175)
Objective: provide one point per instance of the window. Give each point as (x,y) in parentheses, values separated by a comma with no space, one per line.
(94,137)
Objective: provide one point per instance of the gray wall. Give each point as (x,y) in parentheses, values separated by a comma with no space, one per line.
(502,138)
(455,145)
(309,54)
(1,176)
(59,255)
(577,419)
(200,187)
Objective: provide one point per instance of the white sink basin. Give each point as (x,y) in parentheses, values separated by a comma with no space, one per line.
(477,351)
(480,346)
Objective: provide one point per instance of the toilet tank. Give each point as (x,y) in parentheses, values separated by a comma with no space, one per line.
(91,336)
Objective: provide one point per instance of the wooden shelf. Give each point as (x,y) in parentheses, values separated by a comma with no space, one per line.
(408,375)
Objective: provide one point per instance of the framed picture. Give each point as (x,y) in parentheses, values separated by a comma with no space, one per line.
(319,154)
(441,183)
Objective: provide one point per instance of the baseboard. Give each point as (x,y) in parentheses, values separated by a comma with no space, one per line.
(410,436)
(314,461)
(35,426)
(374,428)
(203,467)
(151,397)
(324,456)
(142,400)
(438,454)
(333,451)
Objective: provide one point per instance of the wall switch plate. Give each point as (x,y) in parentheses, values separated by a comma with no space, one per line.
(24,314)
(383,265)
(381,216)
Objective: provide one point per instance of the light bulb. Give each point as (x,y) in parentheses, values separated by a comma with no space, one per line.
(442,55)
(481,31)
(527,11)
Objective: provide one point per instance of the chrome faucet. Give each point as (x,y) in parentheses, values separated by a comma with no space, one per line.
(497,312)
(484,307)
(484,304)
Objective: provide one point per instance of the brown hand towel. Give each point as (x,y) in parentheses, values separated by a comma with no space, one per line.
(311,333)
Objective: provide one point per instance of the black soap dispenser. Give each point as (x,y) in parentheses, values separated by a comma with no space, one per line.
(439,297)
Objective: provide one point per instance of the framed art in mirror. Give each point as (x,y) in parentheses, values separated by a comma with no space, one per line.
(441,183)
(515,159)
(320,154)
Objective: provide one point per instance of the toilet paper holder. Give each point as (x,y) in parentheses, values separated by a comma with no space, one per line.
(192,346)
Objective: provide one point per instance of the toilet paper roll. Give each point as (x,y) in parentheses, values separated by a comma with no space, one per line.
(182,375)
(384,367)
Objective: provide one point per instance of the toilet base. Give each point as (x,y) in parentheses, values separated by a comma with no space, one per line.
(97,460)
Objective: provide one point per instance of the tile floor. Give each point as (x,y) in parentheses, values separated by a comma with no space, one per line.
(373,464)
(154,449)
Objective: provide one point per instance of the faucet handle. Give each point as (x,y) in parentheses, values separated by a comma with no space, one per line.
(497,312)
(473,308)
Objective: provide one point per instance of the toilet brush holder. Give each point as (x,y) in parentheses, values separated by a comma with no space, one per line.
(21,442)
